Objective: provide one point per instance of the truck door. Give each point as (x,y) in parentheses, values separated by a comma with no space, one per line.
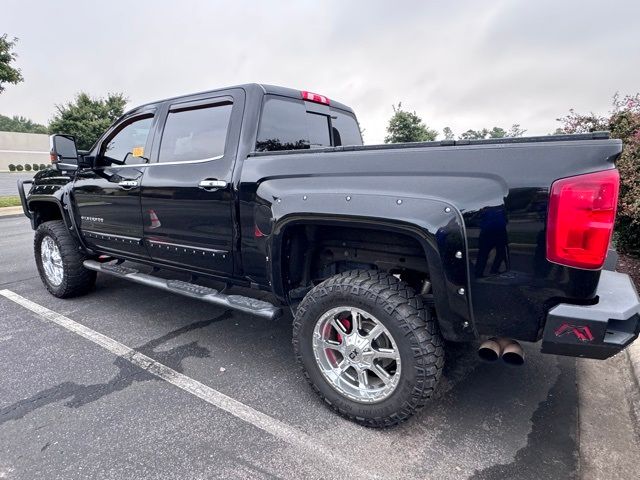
(187,196)
(107,197)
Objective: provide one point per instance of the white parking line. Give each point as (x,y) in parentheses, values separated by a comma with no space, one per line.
(238,409)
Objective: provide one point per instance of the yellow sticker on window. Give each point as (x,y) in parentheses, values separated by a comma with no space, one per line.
(137,151)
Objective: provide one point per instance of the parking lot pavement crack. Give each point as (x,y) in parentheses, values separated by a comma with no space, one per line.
(78,395)
(552,443)
(304,443)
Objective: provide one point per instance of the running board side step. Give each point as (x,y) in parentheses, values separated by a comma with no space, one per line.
(250,305)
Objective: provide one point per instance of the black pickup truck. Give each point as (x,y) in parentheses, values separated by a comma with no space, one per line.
(381,252)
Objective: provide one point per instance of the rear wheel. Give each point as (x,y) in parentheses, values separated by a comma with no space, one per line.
(59,261)
(369,347)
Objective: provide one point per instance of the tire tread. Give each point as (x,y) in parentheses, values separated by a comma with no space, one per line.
(415,319)
(77,279)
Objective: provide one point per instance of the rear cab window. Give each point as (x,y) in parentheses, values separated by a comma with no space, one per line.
(294,124)
(195,133)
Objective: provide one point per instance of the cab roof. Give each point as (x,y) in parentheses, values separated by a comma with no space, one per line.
(266,89)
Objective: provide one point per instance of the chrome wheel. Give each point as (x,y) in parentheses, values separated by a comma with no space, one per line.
(51,261)
(356,354)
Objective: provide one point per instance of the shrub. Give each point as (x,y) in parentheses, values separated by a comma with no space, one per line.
(43,166)
(12,167)
(19,168)
(623,123)
(35,167)
(27,168)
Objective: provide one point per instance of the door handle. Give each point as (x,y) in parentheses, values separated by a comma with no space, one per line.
(211,185)
(128,184)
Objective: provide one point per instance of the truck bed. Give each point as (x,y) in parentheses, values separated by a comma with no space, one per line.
(486,181)
(446,143)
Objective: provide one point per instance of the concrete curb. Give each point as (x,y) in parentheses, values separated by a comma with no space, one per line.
(11,212)
(633,351)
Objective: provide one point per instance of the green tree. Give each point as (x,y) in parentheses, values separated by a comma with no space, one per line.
(86,118)
(20,124)
(407,126)
(495,132)
(448,133)
(8,73)
(475,134)
(515,131)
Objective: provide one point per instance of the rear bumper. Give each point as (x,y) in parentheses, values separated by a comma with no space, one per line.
(595,331)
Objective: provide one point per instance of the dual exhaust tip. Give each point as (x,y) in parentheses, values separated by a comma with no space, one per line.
(498,347)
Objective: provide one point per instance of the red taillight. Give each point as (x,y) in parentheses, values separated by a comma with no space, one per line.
(314,97)
(582,211)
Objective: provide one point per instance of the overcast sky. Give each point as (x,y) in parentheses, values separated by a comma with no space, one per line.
(463,64)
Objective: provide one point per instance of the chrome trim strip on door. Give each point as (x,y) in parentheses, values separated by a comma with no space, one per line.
(186,248)
(186,162)
(111,236)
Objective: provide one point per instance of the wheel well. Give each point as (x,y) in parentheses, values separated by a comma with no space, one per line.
(45,211)
(313,253)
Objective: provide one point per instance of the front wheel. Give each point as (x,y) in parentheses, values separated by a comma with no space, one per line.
(369,347)
(59,261)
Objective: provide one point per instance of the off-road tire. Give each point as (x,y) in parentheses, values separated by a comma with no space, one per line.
(412,324)
(76,279)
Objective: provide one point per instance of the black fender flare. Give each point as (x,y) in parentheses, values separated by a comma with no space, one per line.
(50,199)
(436,224)
(60,199)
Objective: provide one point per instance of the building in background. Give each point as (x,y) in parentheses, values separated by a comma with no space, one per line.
(23,148)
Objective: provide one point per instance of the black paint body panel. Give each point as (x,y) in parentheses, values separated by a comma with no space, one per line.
(500,190)
(485,199)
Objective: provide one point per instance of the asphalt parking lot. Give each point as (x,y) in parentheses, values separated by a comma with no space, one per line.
(72,408)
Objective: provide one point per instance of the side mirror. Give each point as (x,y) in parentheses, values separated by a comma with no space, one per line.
(85,160)
(64,153)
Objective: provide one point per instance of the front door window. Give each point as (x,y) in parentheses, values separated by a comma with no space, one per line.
(128,145)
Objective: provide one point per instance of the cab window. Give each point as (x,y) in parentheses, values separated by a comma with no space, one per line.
(282,125)
(345,128)
(128,145)
(197,133)
(318,129)
(285,124)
